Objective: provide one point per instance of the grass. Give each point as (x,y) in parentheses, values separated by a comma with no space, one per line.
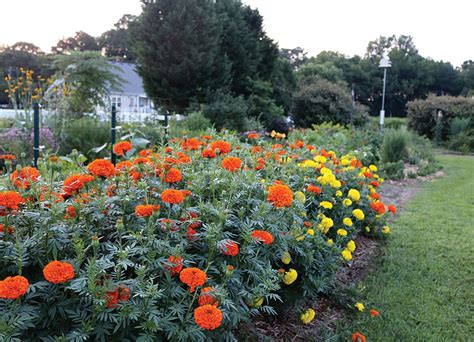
(423,286)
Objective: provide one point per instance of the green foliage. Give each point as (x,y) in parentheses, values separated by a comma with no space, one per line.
(424,118)
(116,42)
(395,146)
(85,79)
(394,123)
(227,111)
(83,135)
(394,170)
(318,101)
(459,125)
(462,142)
(261,105)
(196,121)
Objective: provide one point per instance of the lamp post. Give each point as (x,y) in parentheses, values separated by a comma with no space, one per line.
(385,64)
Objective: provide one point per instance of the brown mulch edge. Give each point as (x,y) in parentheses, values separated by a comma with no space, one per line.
(288,327)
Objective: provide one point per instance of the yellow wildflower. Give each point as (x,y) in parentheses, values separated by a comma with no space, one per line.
(326,205)
(386,230)
(360,306)
(347,221)
(347,255)
(330,242)
(358,214)
(351,246)
(342,232)
(347,202)
(354,195)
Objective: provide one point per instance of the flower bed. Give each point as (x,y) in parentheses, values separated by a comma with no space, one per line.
(182,242)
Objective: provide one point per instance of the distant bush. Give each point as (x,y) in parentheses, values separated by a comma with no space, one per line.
(395,123)
(227,111)
(318,101)
(196,121)
(83,135)
(394,146)
(423,114)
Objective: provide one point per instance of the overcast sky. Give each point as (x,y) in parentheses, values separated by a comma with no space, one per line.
(442,30)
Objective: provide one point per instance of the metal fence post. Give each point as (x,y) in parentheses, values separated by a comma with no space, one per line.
(35,134)
(113,133)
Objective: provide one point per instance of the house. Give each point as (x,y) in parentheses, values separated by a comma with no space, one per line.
(130,99)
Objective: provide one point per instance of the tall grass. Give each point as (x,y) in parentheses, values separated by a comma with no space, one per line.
(395,145)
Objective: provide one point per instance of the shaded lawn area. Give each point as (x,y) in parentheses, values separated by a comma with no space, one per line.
(424,286)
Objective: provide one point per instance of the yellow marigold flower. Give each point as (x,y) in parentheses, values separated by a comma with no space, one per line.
(347,202)
(386,230)
(327,223)
(290,276)
(300,238)
(300,197)
(351,246)
(347,255)
(286,258)
(338,193)
(342,232)
(360,306)
(258,302)
(330,242)
(373,168)
(309,163)
(347,221)
(367,229)
(345,161)
(358,214)
(326,205)
(307,316)
(335,184)
(310,232)
(320,159)
(354,195)
(325,170)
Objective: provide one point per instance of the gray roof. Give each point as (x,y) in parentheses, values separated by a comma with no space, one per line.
(133,84)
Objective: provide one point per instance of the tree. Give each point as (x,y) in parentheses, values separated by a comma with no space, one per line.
(80,42)
(84,80)
(295,57)
(319,100)
(116,41)
(467,77)
(176,44)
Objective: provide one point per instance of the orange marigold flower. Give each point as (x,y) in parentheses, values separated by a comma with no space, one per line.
(122,147)
(186,192)
(145,153)
(183,158)
(102,168)
(223,147)
(74,183)
(280,196)
(124,165)
(253,136)
(13,287)
(193,277)
(142,160)
(22,179)
(11,200)
(314,189)
(208,317)
(375,184)
(172,196)
(375,195)
(175,265)
(262,236)
(229,247)
(256,150)
(7,157)
(374,313)
(392,209)
(57,272)
(231,164)
(70,212)
(122,293)
(208,297)
(358,337)
(146,210)
(378,207)
(208,153)
(207,137)
(173,176)
(191,144)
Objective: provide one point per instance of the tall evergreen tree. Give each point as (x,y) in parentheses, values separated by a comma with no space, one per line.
(176,44)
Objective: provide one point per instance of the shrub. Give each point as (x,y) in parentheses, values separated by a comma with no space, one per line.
(196,121)
(318,101)
(459,125)
(424,119)
(395,123)
(83,135)
(462,142)
(394,170)
(145,256)
(395,146)
(227,111)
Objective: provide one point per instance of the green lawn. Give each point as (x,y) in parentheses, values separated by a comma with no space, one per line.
(424,287)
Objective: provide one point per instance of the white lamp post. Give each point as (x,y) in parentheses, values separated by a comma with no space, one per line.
(385,64)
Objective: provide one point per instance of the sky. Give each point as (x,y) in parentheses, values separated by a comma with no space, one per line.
(442,30)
